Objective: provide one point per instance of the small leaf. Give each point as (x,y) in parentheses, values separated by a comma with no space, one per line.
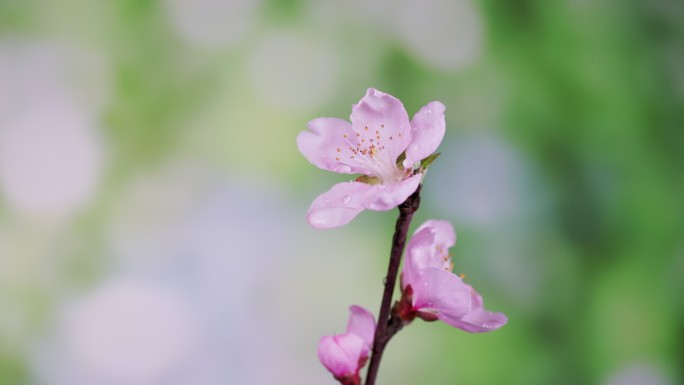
(428,161)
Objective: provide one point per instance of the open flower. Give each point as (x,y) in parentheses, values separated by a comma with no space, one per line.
(345,354)
(431,291)
(381,144)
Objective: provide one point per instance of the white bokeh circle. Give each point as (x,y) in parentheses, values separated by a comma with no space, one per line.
(50,160)
(445,34)
(128,330)
(292,71)
(213,23)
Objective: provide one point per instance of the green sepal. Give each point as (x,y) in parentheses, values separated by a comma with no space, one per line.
(428,161)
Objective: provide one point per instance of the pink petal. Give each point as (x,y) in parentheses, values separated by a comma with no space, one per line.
(478,320)
(427,132)
(429,246)
(327,145)
(361,323)
(380,117)
(340,354)
(443,232)
(386,197)
(339,205)
(419,251)
(442,292)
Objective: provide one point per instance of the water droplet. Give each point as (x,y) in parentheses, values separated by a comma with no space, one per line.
(346,200)
(327,201)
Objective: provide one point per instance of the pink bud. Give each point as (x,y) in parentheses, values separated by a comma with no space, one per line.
(345,354)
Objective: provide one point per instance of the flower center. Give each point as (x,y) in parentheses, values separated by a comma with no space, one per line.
(370,152)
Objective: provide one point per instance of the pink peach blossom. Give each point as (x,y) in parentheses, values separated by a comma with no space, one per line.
(431,291)
(345,354)
(372,145)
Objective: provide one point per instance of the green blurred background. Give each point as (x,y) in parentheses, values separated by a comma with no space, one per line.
(152,197)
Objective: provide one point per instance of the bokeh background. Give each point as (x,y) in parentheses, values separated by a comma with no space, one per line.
(152,197)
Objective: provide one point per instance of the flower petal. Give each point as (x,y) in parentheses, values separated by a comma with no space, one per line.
(419,251)
(443,232)
(442,292)
(478,320)
(340,354)
(339,205)
(362,323)
(427,132)
(429,247)
(381,119)
(330,144)
(386,197)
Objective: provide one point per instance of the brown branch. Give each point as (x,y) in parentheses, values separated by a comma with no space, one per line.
(387,326)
